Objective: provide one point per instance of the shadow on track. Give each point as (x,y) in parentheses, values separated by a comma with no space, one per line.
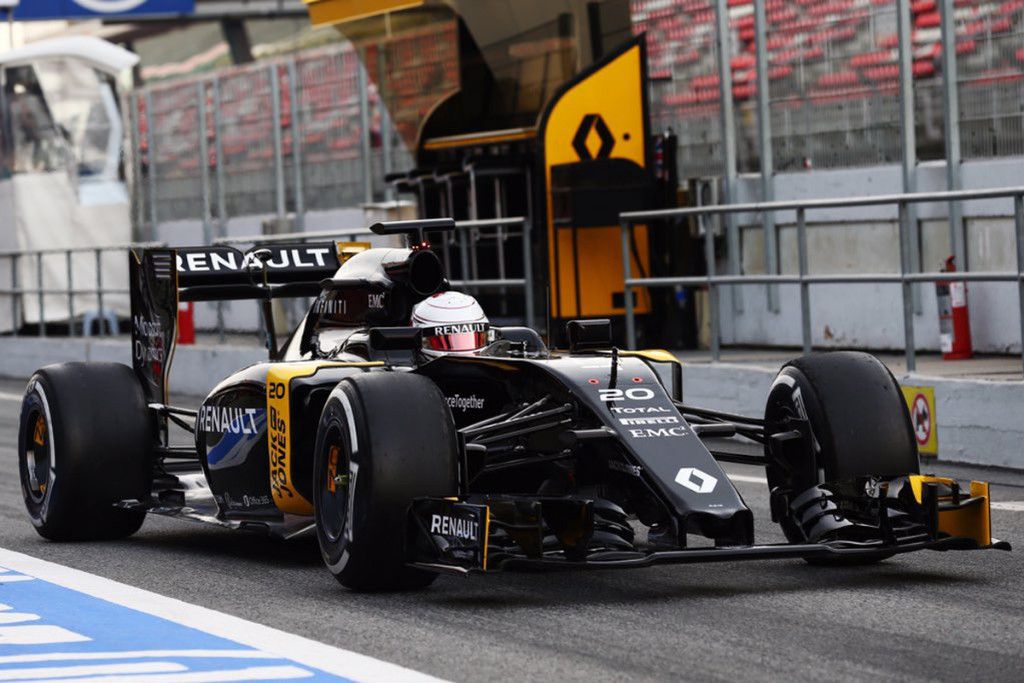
(224,544)
(645,586)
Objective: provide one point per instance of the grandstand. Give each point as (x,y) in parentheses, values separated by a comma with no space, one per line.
(328,122)
(832,74)
(833,78)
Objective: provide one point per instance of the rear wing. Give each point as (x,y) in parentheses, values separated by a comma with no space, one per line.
(162,278)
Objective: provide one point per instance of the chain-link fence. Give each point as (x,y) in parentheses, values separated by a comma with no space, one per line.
(833,79)
(282,137)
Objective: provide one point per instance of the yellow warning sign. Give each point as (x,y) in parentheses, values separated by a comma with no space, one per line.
(921,403)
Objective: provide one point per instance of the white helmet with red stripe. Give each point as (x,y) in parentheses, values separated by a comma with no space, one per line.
(452,322)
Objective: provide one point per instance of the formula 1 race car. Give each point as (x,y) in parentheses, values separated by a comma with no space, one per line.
(516,456)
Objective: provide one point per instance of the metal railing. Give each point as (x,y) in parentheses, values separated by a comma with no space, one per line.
(906,277)
(469,236)
(18,292)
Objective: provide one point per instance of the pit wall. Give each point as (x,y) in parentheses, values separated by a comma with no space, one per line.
(865,240)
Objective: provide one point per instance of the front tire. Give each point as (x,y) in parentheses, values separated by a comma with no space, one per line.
(859,428)
(384,438)
(85,443)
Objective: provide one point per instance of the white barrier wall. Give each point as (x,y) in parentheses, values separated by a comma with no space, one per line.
(865,240)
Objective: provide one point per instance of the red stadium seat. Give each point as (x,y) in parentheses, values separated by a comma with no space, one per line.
(742,62)
(743,92)
(839,79)
(873,58)
(923,68)
(890,40)
(886,72)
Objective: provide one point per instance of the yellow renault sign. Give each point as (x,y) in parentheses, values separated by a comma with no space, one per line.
(598,115)
(328,12)
(921,403)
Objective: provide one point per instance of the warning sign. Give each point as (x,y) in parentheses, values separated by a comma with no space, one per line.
(921,403)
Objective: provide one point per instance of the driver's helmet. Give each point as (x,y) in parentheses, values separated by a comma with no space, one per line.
(452,322)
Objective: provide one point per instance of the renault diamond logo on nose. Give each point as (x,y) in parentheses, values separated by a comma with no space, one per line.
(695,480)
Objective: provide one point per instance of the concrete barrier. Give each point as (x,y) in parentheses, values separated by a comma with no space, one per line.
(978,421)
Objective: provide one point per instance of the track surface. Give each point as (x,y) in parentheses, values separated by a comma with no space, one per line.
(922,616)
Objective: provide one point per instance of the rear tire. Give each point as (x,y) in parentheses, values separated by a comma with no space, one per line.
(85,443)
(858,420)
(384,438)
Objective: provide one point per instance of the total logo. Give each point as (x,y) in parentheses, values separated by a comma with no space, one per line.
(696,480)
(638,410)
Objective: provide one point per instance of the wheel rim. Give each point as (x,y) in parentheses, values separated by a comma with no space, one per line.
(334,489)
(37,457)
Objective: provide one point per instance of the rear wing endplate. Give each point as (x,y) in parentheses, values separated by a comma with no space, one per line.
(161,278)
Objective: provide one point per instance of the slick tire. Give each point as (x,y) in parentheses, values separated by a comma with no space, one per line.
(384,438)
(85,442)
(859,421)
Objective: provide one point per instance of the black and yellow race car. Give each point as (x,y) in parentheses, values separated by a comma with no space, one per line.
(518,456)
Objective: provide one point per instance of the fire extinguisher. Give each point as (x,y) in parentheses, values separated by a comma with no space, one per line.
(186,323)
(954,318)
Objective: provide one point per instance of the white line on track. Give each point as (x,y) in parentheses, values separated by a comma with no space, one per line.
(77,672)
(8,396)
(287,645)
(136,654)
(255,673)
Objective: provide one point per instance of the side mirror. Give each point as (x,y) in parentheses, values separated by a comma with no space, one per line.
(585,335)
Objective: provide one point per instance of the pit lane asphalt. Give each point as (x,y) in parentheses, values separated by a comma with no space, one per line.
(922,616)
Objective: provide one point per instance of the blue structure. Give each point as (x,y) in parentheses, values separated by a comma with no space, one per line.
(91,9)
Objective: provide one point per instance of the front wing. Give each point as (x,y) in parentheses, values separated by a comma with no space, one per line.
(494,533)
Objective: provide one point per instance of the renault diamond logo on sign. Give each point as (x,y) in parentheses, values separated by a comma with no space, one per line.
(695,480)
(593,123)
